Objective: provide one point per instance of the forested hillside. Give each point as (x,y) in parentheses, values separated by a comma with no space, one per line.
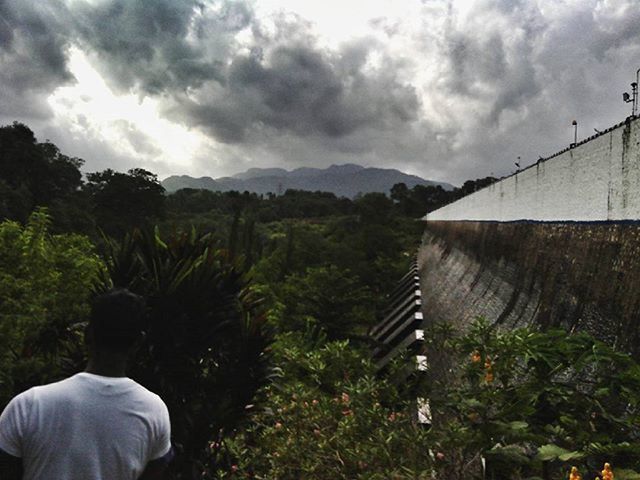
(258,313)
(342,180)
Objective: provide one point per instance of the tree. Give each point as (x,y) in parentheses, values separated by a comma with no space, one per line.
(399,192)
(123,201)
(471,186)
(205,351)
(33,174)
(374,207)
(329,297)
(45,283)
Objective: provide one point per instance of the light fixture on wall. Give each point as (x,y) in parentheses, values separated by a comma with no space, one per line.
(633,98)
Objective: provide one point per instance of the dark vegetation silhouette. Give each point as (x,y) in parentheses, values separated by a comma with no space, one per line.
(205,349)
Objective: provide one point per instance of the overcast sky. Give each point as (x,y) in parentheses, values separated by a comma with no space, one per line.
(448,90)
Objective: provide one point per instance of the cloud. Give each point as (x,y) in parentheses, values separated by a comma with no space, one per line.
(513,74)
(278,78)
(138,141)
(32,54)
(439,87)
(302,90)
(153,47)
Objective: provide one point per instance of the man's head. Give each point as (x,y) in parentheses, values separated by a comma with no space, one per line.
(116,322)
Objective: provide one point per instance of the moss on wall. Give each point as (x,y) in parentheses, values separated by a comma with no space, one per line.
(573,275)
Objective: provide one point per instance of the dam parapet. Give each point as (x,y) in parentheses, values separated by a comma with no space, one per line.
(556,244)
(597,180)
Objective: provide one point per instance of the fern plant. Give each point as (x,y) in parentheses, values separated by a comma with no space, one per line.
(205,351)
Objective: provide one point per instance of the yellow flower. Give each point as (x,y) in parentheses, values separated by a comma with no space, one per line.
(575,475)
(488,377)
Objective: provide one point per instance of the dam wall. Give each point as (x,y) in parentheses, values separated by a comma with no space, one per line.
(555,245)
(597,180)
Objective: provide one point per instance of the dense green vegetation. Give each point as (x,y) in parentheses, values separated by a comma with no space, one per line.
(532,404)
(259,308)
(44,283)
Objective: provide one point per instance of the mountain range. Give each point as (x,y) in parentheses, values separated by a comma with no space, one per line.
(343,180)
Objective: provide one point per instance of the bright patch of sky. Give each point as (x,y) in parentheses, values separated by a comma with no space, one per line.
(90,105)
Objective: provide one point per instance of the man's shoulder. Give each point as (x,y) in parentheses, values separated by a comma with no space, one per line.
(61,386)
(80,387)
(148,395)
(33,393)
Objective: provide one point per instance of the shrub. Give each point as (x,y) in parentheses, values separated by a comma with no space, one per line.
(205,351)
(530,401)
(45,283)
(328,417)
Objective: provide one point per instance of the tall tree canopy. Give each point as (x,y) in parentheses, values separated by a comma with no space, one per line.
(123,201)
(33,174)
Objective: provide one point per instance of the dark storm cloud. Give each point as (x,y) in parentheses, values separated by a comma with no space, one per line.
(33,46)
(144,45)
(187,53)
(152,47)
(304,90)
(498,79)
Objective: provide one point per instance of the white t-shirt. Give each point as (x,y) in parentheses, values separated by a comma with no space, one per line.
(87,427)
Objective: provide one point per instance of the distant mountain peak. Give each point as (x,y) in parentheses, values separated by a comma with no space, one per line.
(347,180)
(260,172)
(345,168)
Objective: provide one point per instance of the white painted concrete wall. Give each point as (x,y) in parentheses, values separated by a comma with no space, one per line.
(594,181)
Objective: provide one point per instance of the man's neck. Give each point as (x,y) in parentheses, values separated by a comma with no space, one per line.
(107,364)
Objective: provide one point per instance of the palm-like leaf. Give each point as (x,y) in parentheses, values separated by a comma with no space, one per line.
(206,343)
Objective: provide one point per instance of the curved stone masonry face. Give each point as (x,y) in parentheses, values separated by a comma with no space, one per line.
(582,276)
(598,180)
(555,245)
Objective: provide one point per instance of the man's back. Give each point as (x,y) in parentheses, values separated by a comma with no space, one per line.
(86,427)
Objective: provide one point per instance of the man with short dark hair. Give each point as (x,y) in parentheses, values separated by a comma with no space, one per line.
(95,425)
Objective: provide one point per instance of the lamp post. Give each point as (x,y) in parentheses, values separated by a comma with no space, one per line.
(634,89)
(633,98)
(575,133)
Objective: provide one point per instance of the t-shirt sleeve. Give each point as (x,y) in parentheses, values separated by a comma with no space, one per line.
(162,442)
(13,424)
